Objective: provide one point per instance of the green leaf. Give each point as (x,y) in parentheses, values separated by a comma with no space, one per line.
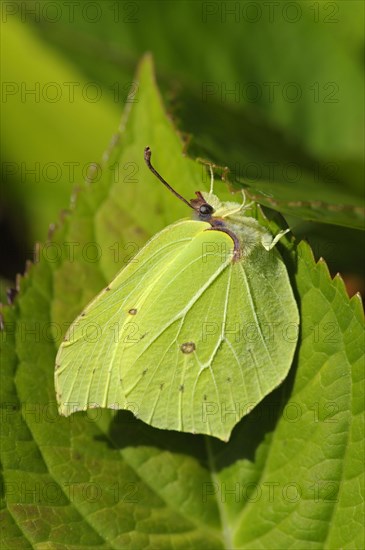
(307,203)
(290,474)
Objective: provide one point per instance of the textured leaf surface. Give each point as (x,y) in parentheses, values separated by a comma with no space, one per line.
(291,474)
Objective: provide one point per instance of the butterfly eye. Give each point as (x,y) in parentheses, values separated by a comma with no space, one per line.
(205,210)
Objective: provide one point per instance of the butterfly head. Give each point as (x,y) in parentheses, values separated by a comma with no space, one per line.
(204,210)
(208,206)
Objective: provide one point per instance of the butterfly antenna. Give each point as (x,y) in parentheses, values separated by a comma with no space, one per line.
(147,158)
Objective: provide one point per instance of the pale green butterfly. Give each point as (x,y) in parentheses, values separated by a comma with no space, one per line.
(192,334)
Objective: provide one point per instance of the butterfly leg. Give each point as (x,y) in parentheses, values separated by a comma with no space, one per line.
(211,178)
(244,206)
(269,245)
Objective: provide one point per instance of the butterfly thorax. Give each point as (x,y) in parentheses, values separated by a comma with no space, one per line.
(229,217)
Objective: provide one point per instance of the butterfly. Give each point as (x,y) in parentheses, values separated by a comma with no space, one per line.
(193,333)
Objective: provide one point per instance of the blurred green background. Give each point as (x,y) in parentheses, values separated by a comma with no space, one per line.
(273,90)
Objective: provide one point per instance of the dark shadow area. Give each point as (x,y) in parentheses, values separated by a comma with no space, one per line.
(244,136)
(126,431)
(15,248)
